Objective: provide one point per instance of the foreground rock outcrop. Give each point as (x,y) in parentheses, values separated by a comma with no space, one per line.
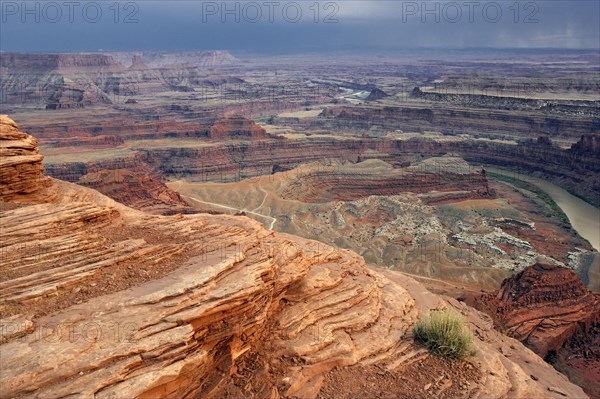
(548,308)
(543,306)
(20,162)
(100,300)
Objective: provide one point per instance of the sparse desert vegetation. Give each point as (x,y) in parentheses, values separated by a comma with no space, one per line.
(443,332)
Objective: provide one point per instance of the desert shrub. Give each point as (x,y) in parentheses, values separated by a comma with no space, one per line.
(444,334)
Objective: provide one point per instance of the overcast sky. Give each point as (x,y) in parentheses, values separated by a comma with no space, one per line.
(273,26)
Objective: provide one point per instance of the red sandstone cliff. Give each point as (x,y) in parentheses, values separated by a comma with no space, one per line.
(543,306)
(20,162)
(236,127)
(549,309)
(135,186)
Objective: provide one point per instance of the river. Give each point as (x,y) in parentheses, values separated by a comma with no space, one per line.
(584,217)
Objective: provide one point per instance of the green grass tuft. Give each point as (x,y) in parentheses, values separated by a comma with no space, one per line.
(444,334)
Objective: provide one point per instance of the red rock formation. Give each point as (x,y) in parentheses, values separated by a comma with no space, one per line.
(543,306)
(20,163)
(236,127)
(494,121)
(136,186)
(88,142)
(124,129)
(579,359)
(202,126)
(577,169)
(129,181)
(579,172)
(344,183)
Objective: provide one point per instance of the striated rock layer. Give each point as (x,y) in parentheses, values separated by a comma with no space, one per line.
(374,177)
(129,181)
(205,125)
(494,120)
(543,306)
(20,162)
(136,186)
(60,62)
(577,168)
(100,300)
(236,127)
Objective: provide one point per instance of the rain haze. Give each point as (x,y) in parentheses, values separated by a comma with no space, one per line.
(297,26)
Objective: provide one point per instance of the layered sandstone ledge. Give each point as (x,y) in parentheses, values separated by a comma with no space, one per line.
(444,175)
(20,162)
(100,300)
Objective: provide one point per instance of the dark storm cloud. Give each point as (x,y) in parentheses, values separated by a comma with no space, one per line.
(288,26)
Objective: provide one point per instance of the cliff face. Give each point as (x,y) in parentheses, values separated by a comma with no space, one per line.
(497,121)
(236,127)
(203,125)
(374,177)
(123,130)
(20,162)
(63,80)
(204,59)
(129,181)
(56,81)
(136,186)
(59,62)
(575,169)
(557,107)
(113,62)
(127,304)
(230,162)
(544,306)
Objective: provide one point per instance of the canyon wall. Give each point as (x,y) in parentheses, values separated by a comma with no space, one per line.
(129,181)
(509,102)
(34,62)
(494,122)
(576,169)
(374,177)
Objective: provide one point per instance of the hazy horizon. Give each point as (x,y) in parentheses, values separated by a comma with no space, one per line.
(334,51)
